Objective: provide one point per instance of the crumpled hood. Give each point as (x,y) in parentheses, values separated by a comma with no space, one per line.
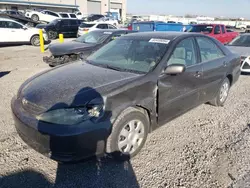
(72,85)
(41,26)
(69,48)
(241,50)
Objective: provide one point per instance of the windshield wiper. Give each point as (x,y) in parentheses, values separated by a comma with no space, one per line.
(114,68)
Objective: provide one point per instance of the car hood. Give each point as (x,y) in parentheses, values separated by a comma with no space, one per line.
(69,48)
(72,85)
(241,50)
(41,26)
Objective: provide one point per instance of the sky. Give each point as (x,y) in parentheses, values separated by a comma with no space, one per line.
(227,8)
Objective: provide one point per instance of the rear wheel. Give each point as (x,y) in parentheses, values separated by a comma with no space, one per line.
(129,134)
(35,40)
(222,94)
(52,34)
(35,17)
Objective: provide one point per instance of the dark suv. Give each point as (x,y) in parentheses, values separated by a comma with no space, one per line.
(67,27)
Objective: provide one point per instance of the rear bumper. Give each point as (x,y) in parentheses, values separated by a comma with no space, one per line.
(63,144)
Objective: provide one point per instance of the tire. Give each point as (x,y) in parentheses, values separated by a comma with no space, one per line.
(122,126)
(52,34)
(35,17)
(218,100)
(35,40)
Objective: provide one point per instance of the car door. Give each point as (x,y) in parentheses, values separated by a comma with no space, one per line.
(214,66)
(16,32)
(224,36)
(73,27)
(179,93)
(217,33)
(65,27)
(5,35)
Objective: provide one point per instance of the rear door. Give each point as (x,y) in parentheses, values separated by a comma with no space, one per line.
(179,93)
(73,28)
(65,27)
(214,66)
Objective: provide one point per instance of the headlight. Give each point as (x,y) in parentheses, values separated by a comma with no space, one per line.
(71,116)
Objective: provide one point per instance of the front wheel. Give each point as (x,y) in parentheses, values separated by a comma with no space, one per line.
(129,134)
(35,40)
(222,94)
(35,17)
(52,34)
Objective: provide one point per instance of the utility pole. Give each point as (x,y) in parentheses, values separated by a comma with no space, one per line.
(108,5)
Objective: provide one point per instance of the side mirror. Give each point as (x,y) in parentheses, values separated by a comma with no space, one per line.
(25,28)
(175,69)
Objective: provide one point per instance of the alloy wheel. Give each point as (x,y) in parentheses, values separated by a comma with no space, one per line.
(131,137)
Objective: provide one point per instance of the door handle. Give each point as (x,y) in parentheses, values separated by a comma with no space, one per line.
(224,63)
(198,74)
(12,31)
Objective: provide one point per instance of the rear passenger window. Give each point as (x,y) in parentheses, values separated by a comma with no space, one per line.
(2,24)
(208,49)
(102,26)
(111,27)
(72,15)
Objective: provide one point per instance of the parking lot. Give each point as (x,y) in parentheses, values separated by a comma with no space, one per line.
(207,147)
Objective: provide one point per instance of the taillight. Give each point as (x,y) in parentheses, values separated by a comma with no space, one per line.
(85,29)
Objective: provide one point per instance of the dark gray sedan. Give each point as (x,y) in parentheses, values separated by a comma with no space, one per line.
(128,88)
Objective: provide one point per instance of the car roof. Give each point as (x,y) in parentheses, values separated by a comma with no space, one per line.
(162,35)
(113,30)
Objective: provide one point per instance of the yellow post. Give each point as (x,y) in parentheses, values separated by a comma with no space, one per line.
(41,40)
(61,38)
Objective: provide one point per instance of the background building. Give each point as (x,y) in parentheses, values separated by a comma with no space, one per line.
(85,6)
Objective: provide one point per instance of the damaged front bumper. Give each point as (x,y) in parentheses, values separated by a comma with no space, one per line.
(59,60)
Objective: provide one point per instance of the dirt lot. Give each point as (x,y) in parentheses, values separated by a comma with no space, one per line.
(207,147)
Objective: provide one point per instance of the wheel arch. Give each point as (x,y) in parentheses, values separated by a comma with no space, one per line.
(230,78)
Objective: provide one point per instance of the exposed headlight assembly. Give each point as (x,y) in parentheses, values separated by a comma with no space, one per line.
(71,116)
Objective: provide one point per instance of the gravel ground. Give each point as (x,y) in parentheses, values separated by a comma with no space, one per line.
(207,147)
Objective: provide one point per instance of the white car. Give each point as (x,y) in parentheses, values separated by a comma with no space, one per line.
(90,26)
(45,15)
(13,32)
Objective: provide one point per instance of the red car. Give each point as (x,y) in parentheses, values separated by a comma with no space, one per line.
(217,31)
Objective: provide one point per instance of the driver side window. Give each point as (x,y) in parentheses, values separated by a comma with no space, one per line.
(184,53)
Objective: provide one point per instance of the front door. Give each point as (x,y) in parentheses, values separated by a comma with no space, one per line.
(16,32)
(179,93)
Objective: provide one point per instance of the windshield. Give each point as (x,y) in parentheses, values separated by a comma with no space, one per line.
(242,40)
(201,28)
(131,55)
(93,37)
